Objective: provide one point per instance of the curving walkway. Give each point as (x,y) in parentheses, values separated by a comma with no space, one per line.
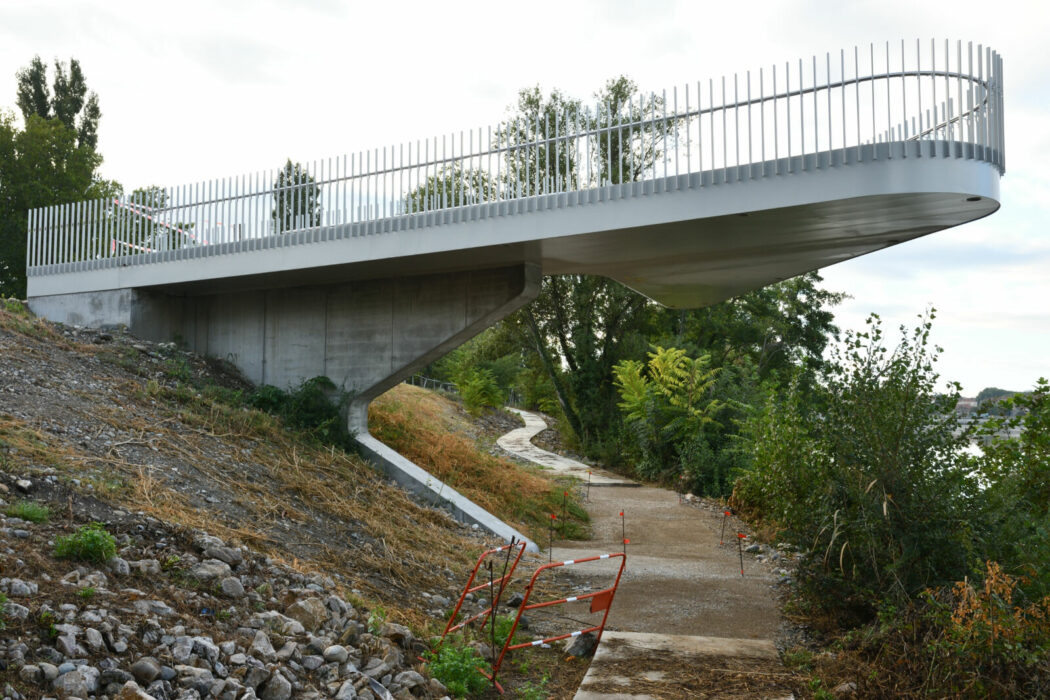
(684,623)
(519,443)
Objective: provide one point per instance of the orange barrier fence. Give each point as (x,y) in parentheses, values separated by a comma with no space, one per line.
(497,585)
(600,601)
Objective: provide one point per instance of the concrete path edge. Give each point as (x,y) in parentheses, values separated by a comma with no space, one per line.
(418,481)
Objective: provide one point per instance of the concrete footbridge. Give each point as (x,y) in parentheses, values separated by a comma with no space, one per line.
(368,266)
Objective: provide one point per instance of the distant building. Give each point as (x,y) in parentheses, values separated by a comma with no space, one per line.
(966,406)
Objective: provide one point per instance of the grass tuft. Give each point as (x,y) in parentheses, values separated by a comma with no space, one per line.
(88,543)
(27,510)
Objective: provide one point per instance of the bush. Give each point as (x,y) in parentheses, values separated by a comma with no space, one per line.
(88,543)
(479,390)
(27,510)
(316,407)
(457,667)
(869,477)
(963,641)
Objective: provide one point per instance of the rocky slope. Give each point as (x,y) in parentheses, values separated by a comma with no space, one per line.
(249,561)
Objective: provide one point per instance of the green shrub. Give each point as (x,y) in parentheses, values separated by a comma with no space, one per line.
(88,543)
(479,390)
(27,510)
(458,668)
(865,472)
(316,407)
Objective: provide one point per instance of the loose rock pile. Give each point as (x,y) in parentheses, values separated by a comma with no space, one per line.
(186,616)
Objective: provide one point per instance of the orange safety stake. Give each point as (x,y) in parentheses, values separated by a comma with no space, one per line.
(550,547)
(721,538)
(740,537)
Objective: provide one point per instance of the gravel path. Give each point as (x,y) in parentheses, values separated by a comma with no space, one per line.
(678,579)
(519,443)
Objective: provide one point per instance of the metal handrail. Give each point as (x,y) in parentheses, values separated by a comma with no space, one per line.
(808,116)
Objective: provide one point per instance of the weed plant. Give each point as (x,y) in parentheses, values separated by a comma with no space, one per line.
(27,510)
(459,669)
(89,543)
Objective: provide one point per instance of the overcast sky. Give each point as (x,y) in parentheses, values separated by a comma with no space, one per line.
(192,90)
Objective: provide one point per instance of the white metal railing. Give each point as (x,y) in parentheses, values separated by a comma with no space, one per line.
(922,101)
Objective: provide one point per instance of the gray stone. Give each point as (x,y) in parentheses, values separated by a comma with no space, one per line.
(211,569)
(146,670)
(346,691)
(336,653)
(273,620)
(182,649)
(50,671)
(409,679)
(229,555)
(94,639)
(66,667)
(205,648)
(231,587)
(17,588)
(114,675)
(31,673)
(132,691)
(278,688)
(310,612)
(147,567)
(67,644)
(256,676)
(119,566)
(376,668)
(153,607)
(78,683)
(14,611)
(288,651)
(238,659)
(396,633)
(190,676)
(582,646)
(312,663)
(261,647)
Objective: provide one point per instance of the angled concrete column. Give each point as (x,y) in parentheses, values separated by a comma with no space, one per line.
(380,333)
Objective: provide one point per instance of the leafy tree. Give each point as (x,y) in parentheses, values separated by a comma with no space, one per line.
(1017,472)
(450,187)
(537,162)
(40,165)
(297,199)
(69,101)
(628,145)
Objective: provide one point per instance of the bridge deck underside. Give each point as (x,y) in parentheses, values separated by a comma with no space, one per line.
(684,241)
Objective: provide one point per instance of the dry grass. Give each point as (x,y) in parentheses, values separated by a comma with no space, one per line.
(434,433)
(271,488)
